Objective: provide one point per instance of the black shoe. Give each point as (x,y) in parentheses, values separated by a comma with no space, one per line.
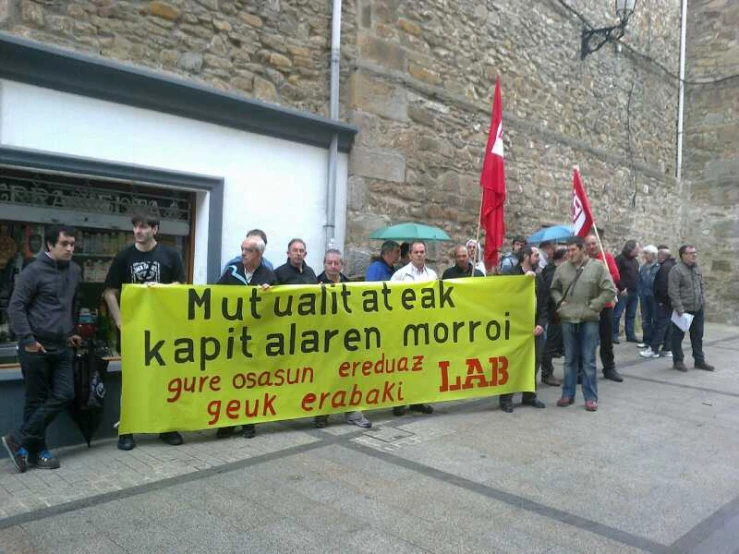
(704,366)
(507,407)
(680,366)
(399,410)
(320,421)
(126,442)
(422,408)
(44,460)
(18,455)
(250,431)
(551,380)
(225,432)
(616,341)
(173,438)
(613,375)
(534,403)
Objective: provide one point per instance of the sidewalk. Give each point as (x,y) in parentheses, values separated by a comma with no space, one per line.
(654,470)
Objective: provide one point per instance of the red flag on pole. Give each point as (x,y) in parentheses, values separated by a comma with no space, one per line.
(582,215)
(492,181)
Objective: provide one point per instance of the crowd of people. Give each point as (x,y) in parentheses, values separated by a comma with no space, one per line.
(581,294)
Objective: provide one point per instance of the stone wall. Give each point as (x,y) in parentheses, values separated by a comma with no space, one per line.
(417,79)
(274,50)
(421,86)
(711,150)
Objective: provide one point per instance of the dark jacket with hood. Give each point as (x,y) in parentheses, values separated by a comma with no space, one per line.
(42,307)
(628,267)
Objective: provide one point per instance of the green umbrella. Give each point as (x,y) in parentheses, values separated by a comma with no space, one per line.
(410,231)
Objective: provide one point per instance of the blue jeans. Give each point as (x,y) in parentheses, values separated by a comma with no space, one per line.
(648,317)
(581,340)
(49,381)
(696,339)
(628,304)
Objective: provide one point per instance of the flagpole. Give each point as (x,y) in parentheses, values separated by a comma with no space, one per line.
(477,236)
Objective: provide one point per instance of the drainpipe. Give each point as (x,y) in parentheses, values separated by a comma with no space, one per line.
(681,97)
(333,152)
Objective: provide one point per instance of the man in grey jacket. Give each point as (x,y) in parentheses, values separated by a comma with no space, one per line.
(41,313)
(685,288)
(580,289)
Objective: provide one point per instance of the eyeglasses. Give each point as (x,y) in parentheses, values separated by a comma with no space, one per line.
(691,253)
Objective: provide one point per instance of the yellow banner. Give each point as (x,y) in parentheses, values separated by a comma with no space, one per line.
(196,357)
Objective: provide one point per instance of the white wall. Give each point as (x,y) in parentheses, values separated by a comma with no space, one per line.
(273,184)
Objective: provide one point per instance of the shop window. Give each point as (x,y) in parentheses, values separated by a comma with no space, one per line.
(100,212)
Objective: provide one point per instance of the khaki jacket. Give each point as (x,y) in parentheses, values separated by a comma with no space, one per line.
(587,297)
(685,287)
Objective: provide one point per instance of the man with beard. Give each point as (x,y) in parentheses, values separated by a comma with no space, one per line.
(528,263)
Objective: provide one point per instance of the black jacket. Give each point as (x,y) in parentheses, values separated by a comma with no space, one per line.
(628,268)
(235,275)
(287,274)
(455,273)
(43,303)
(660,281)
(542,296)
(323,278)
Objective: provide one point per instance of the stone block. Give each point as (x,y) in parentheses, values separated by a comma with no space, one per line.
(32,13)
(278,60)
(222,25)
(251,19)
(424,74)
(385,165)
(410,27)
(217,61)
(191,61)
(4,10)
(357,193)
(264,90)
(375,97)
(243,83)
(382,52)
(163,10)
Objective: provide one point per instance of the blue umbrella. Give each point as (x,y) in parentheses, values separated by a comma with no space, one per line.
(555,233)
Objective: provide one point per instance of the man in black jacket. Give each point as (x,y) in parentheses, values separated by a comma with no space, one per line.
(628,298)
(42,315)
(528,258)
(462,266)
(295,271)
(662,333)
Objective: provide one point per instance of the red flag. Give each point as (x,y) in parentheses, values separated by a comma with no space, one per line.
(582,215)
(492,181)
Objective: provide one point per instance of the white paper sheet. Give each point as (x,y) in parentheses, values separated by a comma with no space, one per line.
(682,321)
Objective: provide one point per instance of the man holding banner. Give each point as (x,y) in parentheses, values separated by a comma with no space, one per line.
(580,290)
(418,271)
(251,271)
(144,262)
(528,261)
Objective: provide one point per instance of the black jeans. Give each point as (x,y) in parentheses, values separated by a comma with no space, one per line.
(606,339)
(49,381)
(696,339)
(662,334)
(552,345)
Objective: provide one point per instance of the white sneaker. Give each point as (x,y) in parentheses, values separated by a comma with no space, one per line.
(665,354)
(648,353)
(641,344)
